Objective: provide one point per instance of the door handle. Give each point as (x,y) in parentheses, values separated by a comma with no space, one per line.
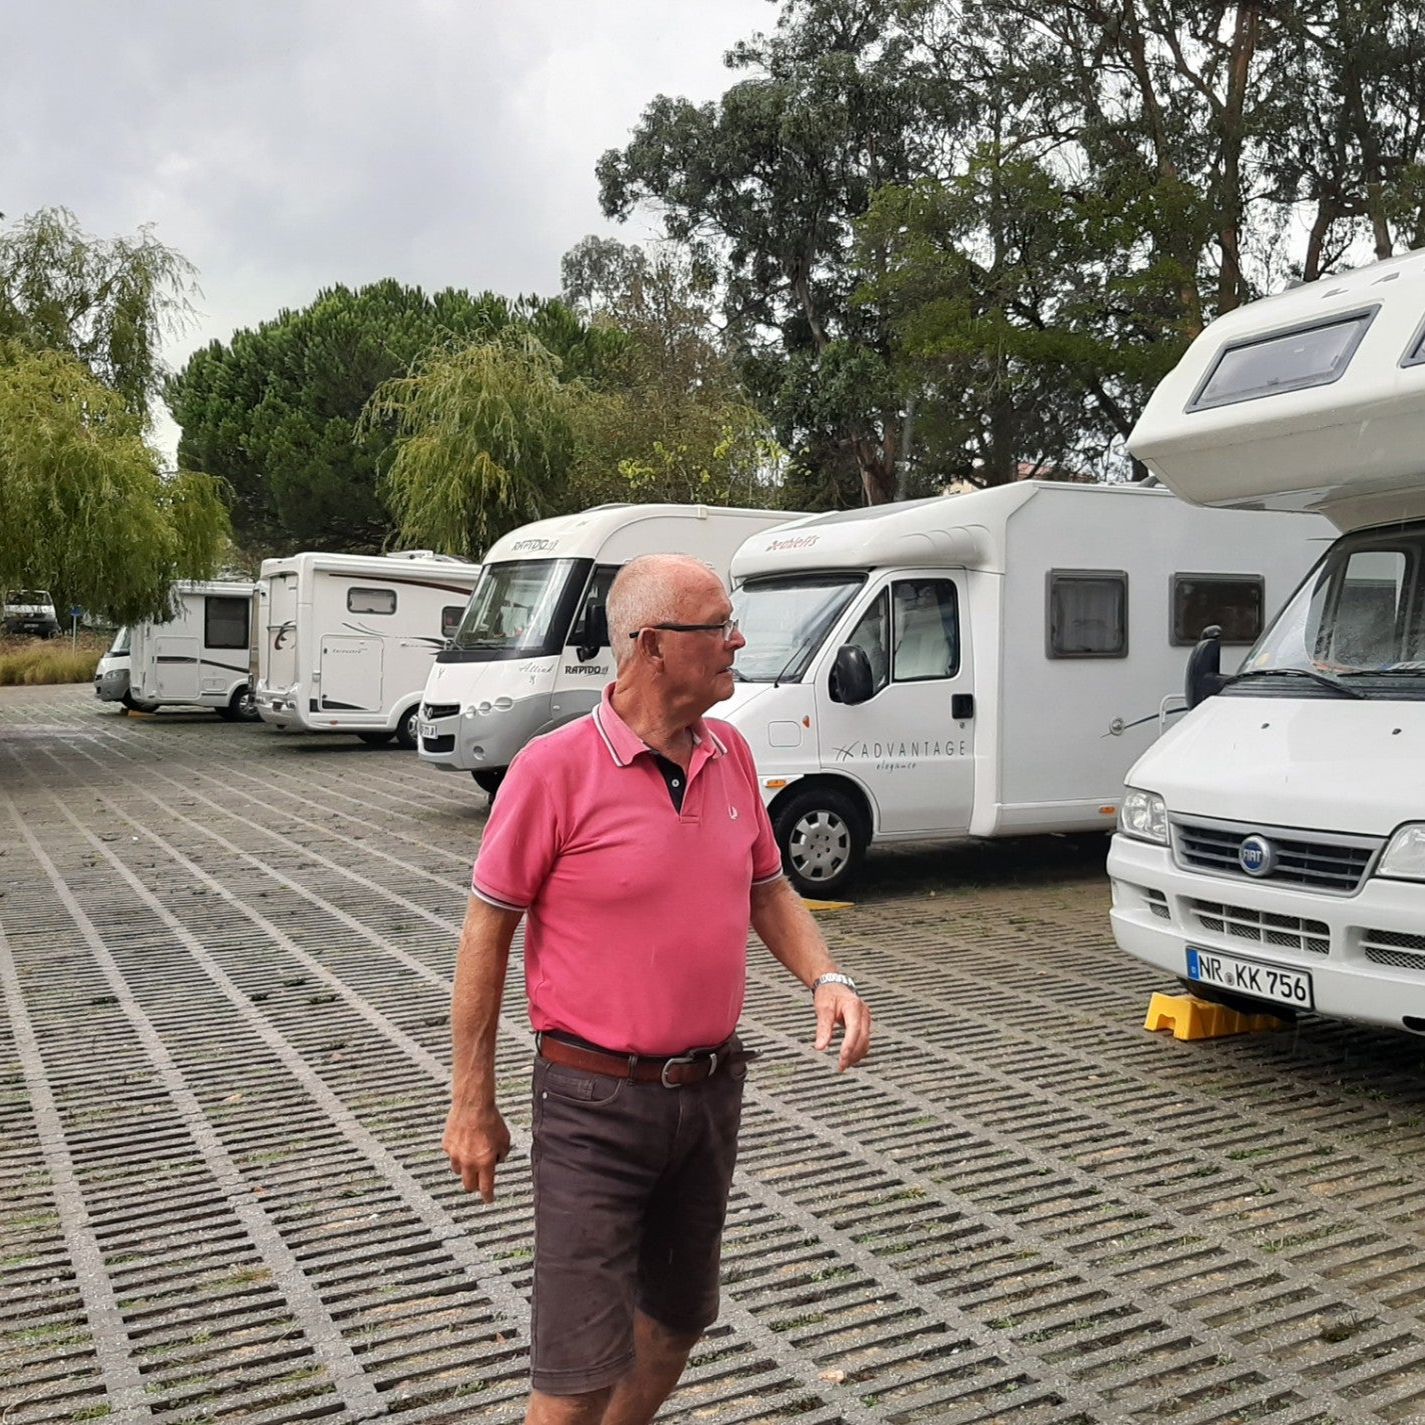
(962,706)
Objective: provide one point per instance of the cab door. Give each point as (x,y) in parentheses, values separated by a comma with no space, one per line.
(911,744)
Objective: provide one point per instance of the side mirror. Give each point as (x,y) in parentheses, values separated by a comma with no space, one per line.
(595,634)
(1204,668)
(851,678)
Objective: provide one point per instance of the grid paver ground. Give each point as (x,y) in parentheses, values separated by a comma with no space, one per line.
(224,966)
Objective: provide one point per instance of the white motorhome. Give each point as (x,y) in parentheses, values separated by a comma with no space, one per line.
(986,664)
(200,657)
(1272,847)
(532,651)
(345,641)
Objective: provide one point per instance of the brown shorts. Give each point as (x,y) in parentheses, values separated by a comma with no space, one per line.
(630,1194)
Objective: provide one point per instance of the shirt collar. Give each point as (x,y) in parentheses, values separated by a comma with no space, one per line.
(624,744)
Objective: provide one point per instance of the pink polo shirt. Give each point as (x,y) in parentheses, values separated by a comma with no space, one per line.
(637,913)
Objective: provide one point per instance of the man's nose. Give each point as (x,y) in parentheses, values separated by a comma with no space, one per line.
(737,640)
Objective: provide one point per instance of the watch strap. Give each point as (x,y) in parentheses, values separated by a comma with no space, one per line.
(834,978)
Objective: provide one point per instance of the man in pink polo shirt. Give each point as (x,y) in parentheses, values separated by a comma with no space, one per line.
(636,844)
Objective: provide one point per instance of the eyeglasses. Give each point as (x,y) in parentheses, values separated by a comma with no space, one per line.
(726,629)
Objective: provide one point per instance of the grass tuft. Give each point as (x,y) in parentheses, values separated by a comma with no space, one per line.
(33,661)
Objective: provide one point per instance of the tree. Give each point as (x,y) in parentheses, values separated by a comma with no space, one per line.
(483,439)
(277,411)
(108,302)
(668,417)
(769,181)
(85,510)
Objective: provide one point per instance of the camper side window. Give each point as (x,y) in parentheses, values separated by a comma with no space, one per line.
(591,623)
(1087,613)
(1234,602)
(225,621)
(926,630)
(872,634)
(370,601)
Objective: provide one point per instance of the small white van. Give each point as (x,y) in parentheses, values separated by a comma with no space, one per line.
(532,650)
(1272,847)
(986,664)
(200,657)
(345,641)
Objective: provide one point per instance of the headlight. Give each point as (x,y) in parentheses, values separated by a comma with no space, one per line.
(1144,815)
(1405,853)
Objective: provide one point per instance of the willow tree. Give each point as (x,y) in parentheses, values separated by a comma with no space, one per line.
(85,509)
(483,437)
(107,302)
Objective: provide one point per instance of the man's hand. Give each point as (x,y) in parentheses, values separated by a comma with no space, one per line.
(476,1142)
(837,1004)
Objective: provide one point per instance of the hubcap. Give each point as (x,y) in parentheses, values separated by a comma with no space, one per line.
(820,845)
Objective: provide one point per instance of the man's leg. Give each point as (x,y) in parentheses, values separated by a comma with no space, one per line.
(567,1409)
(659,1358)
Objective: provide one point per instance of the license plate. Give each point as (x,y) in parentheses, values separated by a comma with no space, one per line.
(1250,977)
(427,729)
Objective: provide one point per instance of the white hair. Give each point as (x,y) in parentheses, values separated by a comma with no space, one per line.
(647,590)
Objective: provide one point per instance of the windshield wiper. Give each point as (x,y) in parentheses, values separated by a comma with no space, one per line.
(1325,679)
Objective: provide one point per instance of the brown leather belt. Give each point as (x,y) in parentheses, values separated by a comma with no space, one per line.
(673,1072)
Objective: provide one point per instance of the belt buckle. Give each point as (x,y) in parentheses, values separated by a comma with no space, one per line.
(686,1059)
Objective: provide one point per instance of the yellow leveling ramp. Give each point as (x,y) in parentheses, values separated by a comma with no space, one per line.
(826,905)
(1192,1018)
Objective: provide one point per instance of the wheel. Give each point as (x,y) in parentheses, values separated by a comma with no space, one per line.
(489,779)
(822,836)
(133,704)
(375,739)
(406,728)
(1243,1004)
(243,707)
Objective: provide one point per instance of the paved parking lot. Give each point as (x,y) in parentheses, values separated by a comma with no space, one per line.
(224,961)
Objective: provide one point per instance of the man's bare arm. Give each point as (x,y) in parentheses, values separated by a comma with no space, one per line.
(476,1139)
(785,926)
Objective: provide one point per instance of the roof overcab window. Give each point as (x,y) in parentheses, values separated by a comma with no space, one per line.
(1288,361)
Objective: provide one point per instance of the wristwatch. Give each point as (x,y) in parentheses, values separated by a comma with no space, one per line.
(835,978)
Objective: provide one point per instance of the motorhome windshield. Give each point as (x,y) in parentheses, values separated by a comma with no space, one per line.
(120,643)
(1359,619)
(784,620)
(520,609)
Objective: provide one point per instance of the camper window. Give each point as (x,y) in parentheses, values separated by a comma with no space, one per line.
(1359,616)
(1233,602)
(1285,361)
(926,630)
(591,631)
(872,634)
(225,621)
(1087,613)
(450,617)
(370,601)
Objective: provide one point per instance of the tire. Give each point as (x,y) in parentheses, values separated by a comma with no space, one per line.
(375,739)
(822,836)
(243,707)
(132,704)
(1243,1004)
(406,728)
(489,779)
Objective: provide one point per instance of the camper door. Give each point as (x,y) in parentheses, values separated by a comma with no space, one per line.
(911,744)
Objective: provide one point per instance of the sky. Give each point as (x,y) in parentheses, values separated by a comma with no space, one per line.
(286,145)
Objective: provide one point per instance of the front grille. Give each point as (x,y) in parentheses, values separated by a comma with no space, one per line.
(1390,947)
(431,711)
(1261,927)
(438,744)
(1157,903)
(1326,863)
